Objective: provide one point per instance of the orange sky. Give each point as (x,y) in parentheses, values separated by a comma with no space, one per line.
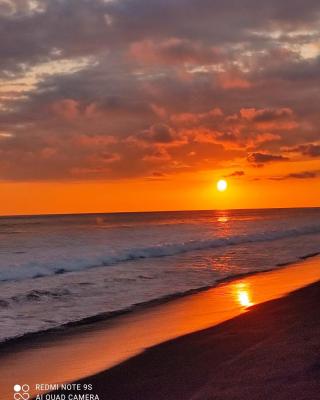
(178,194)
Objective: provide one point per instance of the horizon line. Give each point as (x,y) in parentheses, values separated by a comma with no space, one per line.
(2,216)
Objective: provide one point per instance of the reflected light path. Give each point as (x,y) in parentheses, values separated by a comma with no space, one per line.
(223,219)
(82,351)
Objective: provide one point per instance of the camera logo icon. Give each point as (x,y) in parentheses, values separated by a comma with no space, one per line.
(21,392)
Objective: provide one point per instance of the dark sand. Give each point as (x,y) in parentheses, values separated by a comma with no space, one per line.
(271,352)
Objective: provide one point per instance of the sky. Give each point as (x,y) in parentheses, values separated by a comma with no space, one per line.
(132,105)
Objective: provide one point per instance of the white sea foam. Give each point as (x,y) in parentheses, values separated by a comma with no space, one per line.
(35,269)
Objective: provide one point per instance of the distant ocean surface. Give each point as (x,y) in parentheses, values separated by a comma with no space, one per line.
(60,269)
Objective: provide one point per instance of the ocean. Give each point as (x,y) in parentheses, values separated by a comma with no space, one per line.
(60,269)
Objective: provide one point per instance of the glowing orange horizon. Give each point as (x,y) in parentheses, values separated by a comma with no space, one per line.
(191,192)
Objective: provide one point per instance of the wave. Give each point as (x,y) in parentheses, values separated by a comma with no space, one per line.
(33,270)
(49,295)
(31,332)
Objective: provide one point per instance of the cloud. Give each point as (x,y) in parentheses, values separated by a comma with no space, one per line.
(304,175)
(298,175)
(174,51)
(266,114)
(235,173)
(259,159)
(105,89)
(159,133)
(310,150)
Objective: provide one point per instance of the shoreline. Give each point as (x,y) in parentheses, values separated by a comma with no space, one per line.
(110,342)
(144,305)
(271,352)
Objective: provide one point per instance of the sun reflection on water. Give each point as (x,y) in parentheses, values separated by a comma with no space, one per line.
(223,219)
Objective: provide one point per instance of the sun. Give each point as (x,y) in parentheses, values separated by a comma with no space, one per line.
(222,185)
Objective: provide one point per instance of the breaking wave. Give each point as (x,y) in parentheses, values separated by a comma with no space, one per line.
(32,270)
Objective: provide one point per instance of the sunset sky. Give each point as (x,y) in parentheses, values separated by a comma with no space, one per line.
(127,105)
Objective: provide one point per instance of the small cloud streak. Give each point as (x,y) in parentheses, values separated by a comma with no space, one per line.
(298,175)
(259,159)
(235,174)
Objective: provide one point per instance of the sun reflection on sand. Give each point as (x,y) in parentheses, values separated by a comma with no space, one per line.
(243,295)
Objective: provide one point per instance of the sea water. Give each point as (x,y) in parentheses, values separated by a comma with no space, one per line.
(60,269)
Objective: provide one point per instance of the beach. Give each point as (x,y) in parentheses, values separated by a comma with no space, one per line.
(271,352)
(224,334)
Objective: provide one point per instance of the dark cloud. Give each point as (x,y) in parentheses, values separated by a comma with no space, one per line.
(190,30)
(61,29)
(298,175)
(262,158)
(304,175)
(160,133)
(175,51)
(235,173)
(310,150)
(268,115)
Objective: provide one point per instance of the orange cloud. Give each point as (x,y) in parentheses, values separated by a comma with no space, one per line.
(67,109)
(229,80)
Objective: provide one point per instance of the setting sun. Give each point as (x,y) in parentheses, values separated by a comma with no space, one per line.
(222,185)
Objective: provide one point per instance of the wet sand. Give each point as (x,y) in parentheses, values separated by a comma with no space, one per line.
(77,352)
(271,352)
